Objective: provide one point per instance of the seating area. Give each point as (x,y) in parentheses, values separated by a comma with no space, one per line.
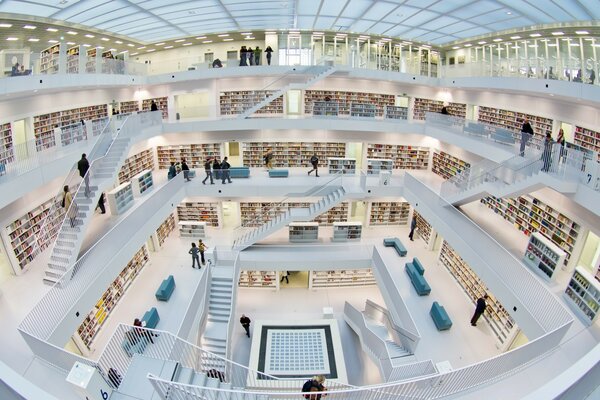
(418,266)
(166,288)
(278,173)
(396,244)
(418,281)
(239,172)
(440,317)
(503,136)
(151,318)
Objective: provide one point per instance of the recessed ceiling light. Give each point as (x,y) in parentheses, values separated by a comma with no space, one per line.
(29,27)
(468,45)
(270,33)
(497,40)
(223,35)
(88,35)
(201,37)
(52,29)
(386,40)
(246,38)
(160,44)
(207,41)
(168,47)
(180,40)
(582,32)
(100,47)
(71,33)
(130,44)
(141,48)
(134,54)
(151,50)
(515,47)
(118,42)
(5,25)
(33,40)
(246,33)
(426,46)
(87,45)
(455,47)
(227,39)
(112,49)
(482,42)
(551,44)
(558,33)
(365,37)
(318,33)
(105,39)
(52,41)
(573,44)
(187,44)
(535,35)
(71,43)
(12,39)
(515,37)
(508,13)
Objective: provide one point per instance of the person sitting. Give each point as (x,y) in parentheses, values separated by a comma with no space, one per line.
(314,385)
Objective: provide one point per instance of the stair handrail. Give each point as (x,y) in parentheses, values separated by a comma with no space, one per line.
(257,221)
(231,322)
(396,330)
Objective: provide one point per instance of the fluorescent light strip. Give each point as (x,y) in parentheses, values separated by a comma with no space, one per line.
(71,33)
(515,37)
(168,47)
(201,37)
(134,54)
(482,42)
(247,38)
(118,42)
(223,35)
(29,27)
(497,40)
(246,33)
(455,47)
(88,35)
(87,45)
(557,33)
(227,39)
(33,40)
(468,45)
(160,44)
(52,41)
(105,39)
(582,32)
(187,44)
(179,40)
(12,39)
(71,43)
(207,41)
(151,50)
(5,25)
(535,35)
(52,30)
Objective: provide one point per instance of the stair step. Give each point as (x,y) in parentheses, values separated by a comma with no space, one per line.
(57,267)
(60,259)
(198,379)
(214,341)
(53,275)
(49,281)
(217,319)
(184,375)
(67,235)
(65,243)
(62,250)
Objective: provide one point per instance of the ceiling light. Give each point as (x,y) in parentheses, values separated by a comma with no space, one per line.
(582,32)
(100,47)
(118,42)
(87,35)
(533,45)
(318,33)
(141,48)
(223,35)
(71,43)
(426,46)
(105,39)
(87,45)
(515,47)
(33,40)
(207,41)
(180,40)
(29,27)
(151,50)
(12,39)
(515,37)
(247,38)
(508,13)
(168,47)
(130,44)
(112,49)
(535,35)
(551,44)
(134,54)
(227,39)
(574,44)
(160,44)
(557,33)
(52,41)
(497,40)
(5,25)
(71,32)
(468,45)
(386,40)
(270,33)
(337,34)
(201,37)
(246,33)
(455,47)
(187,44)
(482,42)
(124,51)
(52,30)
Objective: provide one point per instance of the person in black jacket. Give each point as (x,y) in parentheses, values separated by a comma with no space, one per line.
(217,169)
(314,160)
(207,169)
(479,309)
(245,321)
(172,171)
(526,134)
(269,52)
(186,170)
(83,166)
(101,204)
(153,106)
(225,171)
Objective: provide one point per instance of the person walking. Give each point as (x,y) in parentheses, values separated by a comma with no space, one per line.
(284,275)
(257,54)
(225,171)
(71,209)
(413,226)
(83,166)
(216,169)
(195,259)
(100,204)
(269,52)
(201,250)
(314,160)
(526,134)
(153,106)
(172,171)
(186,170)
(547,153)
(479,309)
(243,56)
(207,169)
(268,158)
(245,321)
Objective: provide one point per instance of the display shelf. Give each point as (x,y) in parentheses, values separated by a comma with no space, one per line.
(22,232)
(376,165)
(291,154)
(423,106)
(396,112)
(7,150)
(302,232)
(347,231)
(201,212)
(126,107)
(446,165)
(135,164)
(588,139)
(424,230)
(92,324)
(142,182)
(90,64)
(341,278)
(529,214)
(362,110)
(341,165)
(165,229)
(258,279)
(161,102)
(501,323)
(120,198)
(49,59)
(237,102)
(254,214)
(583,294)
(513,120)
(543,256)
(325,108)
(345,99)
(404,157)
(389,213)
(193,229)
(194,154)
(73,133)
(73,60)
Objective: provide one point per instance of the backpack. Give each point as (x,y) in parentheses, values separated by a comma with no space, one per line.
(313,159)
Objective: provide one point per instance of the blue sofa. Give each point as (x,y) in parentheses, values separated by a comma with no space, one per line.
(440,317)
(278,173)
(396,244)
(151,318)
(239,172)
(503,136)
(418,281)
(418,266)
(134,343)
(166,288)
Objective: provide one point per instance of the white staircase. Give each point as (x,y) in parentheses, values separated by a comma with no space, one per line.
(320,72)
(327,202)
(102,174)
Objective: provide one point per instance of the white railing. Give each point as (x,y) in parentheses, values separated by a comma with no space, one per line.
(197,307)
(232,322)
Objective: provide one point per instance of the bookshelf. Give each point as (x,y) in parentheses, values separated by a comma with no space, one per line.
(346,231)
(259,279)
(303,232)
(396,112)
(501,323)
(161,102)
(543,256)
(587,138)
(165,229)
(72,133)
(345,99)
(341,278)
(254,214)
(404,157)
(513,120)
(583,295)
(446,165)
(291,154)
(135,164)
(192,229)
(142,182)
(49,59)
(92,324)
(120,198)
(7,150)
(529,214)
(22,232)
(201,212)
(195,154)
(90,64)
(236,102)
(423,106)
(325,108)
(425,231)
(126,107)
(362,110)
(341,164)
(376,165)
(389,213)
(73,60)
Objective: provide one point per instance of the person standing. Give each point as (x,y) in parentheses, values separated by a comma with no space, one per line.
(314,160)
(225,171)
(101,204)
(201,250)
(269,52)
(153,106)
(444,111)
(172,171)
(560,139)
(186,170)
(526,134)
(249,56)
(245,321)
(479,309)
(83,166)
(195,259)
(268,158)
(257,54)
(243,56)
(66,203)
(547,153)
(413,226)
(284,275)
(207,169)
(217,168)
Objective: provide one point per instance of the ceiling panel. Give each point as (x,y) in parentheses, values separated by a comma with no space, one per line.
(324,23)
(356,8)
(332,7)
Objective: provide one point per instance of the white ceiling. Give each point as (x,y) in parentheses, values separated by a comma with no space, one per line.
(434,21)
